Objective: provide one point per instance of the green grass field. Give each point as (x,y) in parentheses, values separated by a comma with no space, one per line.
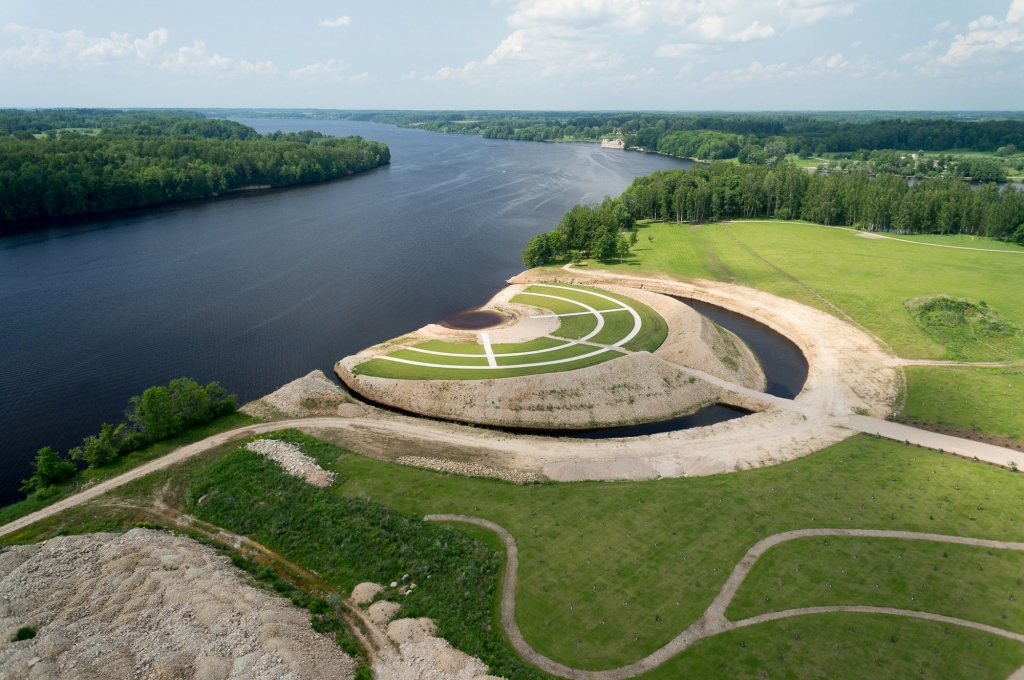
(981,399)
(588,548)
(867,279)
(574,301)
(976,584)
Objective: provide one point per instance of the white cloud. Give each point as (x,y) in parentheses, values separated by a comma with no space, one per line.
(409,76)
(987,37)
(919,54)
(332,70)
(69,49)
(194,59)
(944,26)
(553,37)
(336,23)
(44,49)
(677,50)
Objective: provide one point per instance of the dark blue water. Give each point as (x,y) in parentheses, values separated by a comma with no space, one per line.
(783,363)
(257,290)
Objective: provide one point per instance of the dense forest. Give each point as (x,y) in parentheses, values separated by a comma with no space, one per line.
(69,162)
(882,202)
(819,132)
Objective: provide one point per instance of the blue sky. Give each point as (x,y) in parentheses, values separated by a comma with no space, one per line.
(519,54)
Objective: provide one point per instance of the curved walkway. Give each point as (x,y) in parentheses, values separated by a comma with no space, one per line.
(713,621)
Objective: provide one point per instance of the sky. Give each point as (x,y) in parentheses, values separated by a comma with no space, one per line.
(683,55)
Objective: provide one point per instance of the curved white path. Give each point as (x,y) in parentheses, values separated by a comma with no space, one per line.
(713,621)
(492,356)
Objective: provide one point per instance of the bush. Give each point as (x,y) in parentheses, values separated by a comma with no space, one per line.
(24,633)
(50,469)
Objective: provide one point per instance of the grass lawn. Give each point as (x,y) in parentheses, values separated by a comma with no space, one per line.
(452,347)
(576,327)
(868,279)
(586,549)
(830,646)
(573,351)
(88,477)
(382,368)
(977,584)
(960,241)
(982,399)
(479,360)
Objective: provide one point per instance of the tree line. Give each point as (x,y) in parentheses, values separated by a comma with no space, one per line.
(141,160)
(158,413)
(882,202)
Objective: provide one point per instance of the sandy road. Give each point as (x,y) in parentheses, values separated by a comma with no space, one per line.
(713,621)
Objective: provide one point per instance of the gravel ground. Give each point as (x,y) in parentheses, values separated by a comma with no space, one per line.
(293,460)
(469,469)
(147,604)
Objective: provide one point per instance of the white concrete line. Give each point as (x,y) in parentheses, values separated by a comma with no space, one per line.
(488,368)
(508,354)
(488,351)
(581,313)
(637,323)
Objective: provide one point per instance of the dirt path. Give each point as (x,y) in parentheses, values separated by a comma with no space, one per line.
(713,621)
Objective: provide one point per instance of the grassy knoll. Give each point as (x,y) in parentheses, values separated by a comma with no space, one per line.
(980,399)
(960,241)
(382,368)
(586,549)
(831,646)
(868,279)
(977,584)
(91,476)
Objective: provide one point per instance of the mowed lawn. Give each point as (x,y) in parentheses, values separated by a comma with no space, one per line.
(867,279)
(987,400)
(666,547)
(976,584)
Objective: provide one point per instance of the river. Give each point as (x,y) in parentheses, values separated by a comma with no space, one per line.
(256,290)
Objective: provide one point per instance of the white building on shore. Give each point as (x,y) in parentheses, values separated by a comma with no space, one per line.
(613,144)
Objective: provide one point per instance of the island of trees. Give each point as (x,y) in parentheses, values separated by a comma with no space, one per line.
(723,190)
(70,162)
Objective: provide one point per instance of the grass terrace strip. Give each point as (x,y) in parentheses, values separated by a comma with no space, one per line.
(585,314)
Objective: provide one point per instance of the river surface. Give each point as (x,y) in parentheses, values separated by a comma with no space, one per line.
(256,290)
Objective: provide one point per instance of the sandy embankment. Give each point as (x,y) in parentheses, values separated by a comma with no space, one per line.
(636,388)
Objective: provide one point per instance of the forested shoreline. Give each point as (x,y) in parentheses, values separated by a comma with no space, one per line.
(883,202)
(61,163)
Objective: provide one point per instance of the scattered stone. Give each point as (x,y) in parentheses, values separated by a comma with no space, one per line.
(365,592)
(293,460)
(469,469)
(150,604)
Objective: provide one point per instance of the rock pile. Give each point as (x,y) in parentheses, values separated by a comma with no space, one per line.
(293,460)
(150,604)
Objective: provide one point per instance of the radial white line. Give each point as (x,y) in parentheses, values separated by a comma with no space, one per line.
(488,351)
(636,317)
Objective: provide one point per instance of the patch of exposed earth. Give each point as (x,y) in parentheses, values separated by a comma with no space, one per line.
(311,395)
(147,604)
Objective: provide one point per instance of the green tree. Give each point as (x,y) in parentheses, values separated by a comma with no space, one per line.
(537,251)
(153,414)
(622,247)
(101,449)
(50,469)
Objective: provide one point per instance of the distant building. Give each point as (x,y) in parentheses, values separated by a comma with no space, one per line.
(613,144)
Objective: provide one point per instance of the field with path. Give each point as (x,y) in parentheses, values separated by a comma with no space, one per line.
(609,572)
(866,280)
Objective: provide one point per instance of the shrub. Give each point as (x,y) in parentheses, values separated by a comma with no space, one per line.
(50,469)
(24,633)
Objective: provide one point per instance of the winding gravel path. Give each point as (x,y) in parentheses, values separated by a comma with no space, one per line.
(713,621)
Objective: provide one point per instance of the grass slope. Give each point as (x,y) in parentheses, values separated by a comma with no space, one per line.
(980,399)
(382,368)
(967,582)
